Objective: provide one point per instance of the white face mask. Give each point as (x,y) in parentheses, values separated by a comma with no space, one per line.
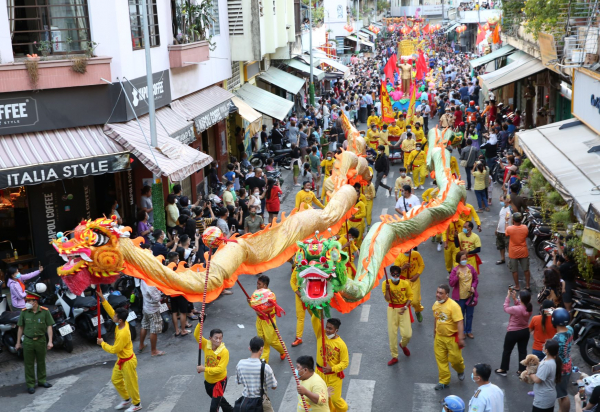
(328,157)
(307,190)
(442,301)
(331,336)
(29,305)
(463,263)
(256,193)
(395,280)
(403,174)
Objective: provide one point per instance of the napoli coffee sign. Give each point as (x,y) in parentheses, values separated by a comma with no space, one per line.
(18,112)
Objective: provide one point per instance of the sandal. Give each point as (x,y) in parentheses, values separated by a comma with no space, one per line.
(500,262)
(159,353)
(177,334)
(528,290)
(500,372)
(140,350)
(487,209)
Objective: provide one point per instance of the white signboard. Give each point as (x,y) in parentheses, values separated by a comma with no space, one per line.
(586,99)
(335,11)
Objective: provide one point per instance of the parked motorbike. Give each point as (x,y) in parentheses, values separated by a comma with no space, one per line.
(540,234)
(8,325)
(274,174)
(259,159)
(83,311)
(586,325)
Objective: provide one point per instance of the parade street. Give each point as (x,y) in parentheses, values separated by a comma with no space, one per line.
(170,382)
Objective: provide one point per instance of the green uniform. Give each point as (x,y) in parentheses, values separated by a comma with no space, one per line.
(34,326)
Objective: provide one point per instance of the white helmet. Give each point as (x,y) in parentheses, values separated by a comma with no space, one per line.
(40,287)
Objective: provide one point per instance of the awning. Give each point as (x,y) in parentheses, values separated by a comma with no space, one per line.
(304,68)
(252,116)
(176,126)
(283,80)
(205,108)
(519,69)
(265,102)
(515,56)
(368,32)
(452,27)
(496,54)
(363,35)
(41,157)
(560,151)
(365,42)
(170,158)
(336,65)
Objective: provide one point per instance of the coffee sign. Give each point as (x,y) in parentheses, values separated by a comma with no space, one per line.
(18,112)
(137,92)
(213,116)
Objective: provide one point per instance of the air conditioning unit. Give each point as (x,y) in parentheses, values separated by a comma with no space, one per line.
(570,44)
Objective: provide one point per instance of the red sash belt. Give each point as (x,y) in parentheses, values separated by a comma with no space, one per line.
(355,220)
(398,306)
(339,374)
(219,388)
(121,361)
(477,260)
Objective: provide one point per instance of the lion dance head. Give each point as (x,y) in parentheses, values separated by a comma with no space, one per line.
(321,272)
(92,255)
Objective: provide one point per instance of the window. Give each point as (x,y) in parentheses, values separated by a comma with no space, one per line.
(236,22)
(135,19)
(215,27)
(52,21)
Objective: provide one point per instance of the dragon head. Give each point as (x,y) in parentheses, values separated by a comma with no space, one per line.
(321,272)
(91,254)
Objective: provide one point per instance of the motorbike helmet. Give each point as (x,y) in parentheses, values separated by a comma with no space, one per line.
(472,103)
(453,403)
(477,107)
(560,317)
(461,124)
(40,288)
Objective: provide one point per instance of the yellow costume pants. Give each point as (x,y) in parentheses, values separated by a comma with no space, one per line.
(446,350)
(369,211)
(416,302)
(336,402)
(126,381)
(323,193)
(265,331)
(300,315)
(361,229)
(419,175)
(450,255)
(397,321)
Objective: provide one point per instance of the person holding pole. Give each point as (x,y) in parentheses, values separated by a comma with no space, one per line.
(216,358)
(398,294)
(312,389)
(412,266)
(264,328)
(124,374)
(300,308)
(332,359)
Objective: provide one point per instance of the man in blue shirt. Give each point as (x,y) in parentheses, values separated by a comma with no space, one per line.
(511,126)
(464,92)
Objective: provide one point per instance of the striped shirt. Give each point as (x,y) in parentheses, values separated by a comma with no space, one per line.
(248,374)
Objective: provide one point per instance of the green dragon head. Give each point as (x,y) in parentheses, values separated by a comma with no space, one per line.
(321,272)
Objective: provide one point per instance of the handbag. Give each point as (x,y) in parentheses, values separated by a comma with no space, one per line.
(472,299)
(464,163)
(266,402)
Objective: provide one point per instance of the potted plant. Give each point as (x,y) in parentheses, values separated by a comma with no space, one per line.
(44,47)
(193,41)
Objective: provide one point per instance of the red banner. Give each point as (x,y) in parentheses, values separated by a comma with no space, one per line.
(387,113)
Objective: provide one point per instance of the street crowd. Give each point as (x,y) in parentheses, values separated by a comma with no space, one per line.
(244,199)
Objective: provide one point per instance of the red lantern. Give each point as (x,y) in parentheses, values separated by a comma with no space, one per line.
(438,26)
(349,28)
(391,28)
(405,30)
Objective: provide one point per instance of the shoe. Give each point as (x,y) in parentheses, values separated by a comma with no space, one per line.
(297,184)
(470,336)
(393,361)
(419,317)
(31,390)
(421,187)
(123,405)
(282,356)
(297,342)
(227,292)
(439,247)
(45,385)
(500,262)
(405,350)
(134,408)
(390,191)
(461,376)
(441,386)
(500,372)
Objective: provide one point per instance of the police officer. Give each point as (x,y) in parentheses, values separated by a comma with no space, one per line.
(488,397)
(35,321)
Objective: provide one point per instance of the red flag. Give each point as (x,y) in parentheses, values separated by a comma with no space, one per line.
(421,66)
(387,113)
(480,34)
(426,29)
(390,68)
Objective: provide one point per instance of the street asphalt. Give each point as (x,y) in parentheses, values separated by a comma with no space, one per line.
(171,383)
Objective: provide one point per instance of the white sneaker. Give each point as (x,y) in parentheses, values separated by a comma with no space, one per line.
(421,187)
(439,247)
(123,405)
(134,408)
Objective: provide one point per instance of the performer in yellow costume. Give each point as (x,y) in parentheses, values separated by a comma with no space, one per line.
(412,266)
(384,140)
(264,328)
(373,119)
(305,198)
(417,159)
(454,164)
(398,294)
(394,130)
(336,354)
(327,167)
(401,124)
(373,137)
(300,308)
(430,193)
(358,219)
(124,375)
(369,192)
(417,130)
(348,242)
(401,181)
(408,145)
(469,241)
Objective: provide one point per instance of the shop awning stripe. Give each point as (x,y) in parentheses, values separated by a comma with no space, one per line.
(17,144)
(32,148)
(519,69)
(304,68)
(85,142)
(46,140)
(283,80)
(75,143)
(264,101)
(195,105)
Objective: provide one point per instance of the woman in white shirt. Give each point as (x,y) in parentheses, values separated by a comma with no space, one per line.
(254,200)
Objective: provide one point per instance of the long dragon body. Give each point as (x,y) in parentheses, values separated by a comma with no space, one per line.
(277,243)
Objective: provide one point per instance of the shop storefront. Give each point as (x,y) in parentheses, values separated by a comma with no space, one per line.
(268,104)
(247,121)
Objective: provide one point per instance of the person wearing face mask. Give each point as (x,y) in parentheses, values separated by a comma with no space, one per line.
(469,242)
(369,193)
(417,163)
(464,280)
(34,323)
(326,167)
(408,145)
(412,266)
(401,124)
(399,294)
(348,242)
(373,137)
(449,339)
(418,132)
(331,360)
(357,220)
(16,285)
(504,220)
(264,328)
(305,198)
(384,140)
(312,388)
(401,181)
(488,397)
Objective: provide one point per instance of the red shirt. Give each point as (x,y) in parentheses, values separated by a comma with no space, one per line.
(457,118)
(539,337)
(273,203)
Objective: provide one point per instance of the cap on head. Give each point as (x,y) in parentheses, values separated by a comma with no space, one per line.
(32,296)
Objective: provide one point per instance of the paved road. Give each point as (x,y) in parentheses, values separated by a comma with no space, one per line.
(170,383)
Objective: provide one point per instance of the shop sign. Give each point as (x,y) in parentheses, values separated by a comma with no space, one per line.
(213,116)
(137,92)
(185,135)
(591,230)
(586,98)
(49,172)
(432,9)
(18,112)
